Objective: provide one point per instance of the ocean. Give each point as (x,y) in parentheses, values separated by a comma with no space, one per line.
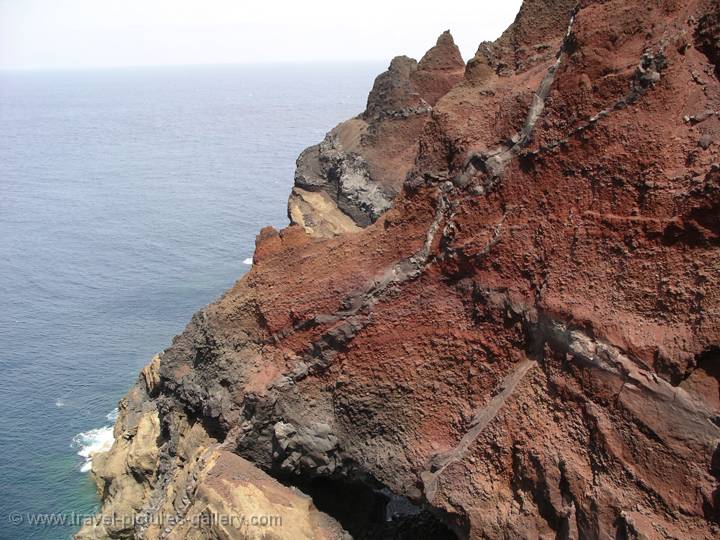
(129,199)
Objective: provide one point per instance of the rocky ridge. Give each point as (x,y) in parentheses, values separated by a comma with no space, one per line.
(352,177)
(495,315)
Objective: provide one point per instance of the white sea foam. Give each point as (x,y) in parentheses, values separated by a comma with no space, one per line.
(59,402)
(93,441)
(248,261)
(112,415)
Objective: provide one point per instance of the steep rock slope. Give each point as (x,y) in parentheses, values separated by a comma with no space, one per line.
(352,177)
(525,344)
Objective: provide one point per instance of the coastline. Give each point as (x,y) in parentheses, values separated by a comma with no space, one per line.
(483,321)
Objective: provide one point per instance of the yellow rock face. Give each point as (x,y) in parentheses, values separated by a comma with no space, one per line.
(318,214)
(205,493)
(235,500)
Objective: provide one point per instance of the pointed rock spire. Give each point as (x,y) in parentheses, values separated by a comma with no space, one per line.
(394,90)
(444,55)
(439,70)
(411,86)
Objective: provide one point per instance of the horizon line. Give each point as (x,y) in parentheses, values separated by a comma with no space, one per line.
(203,64)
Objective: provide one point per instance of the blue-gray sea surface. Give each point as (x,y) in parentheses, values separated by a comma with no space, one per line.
(129,198)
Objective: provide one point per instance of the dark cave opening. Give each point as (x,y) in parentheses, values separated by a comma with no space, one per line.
(372,514)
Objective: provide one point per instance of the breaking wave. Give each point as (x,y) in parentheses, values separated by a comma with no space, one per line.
(89,443)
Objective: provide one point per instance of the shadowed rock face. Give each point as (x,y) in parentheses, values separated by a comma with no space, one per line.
(524,344)
(409,86)
(707,35)
(352,177)
(394,91)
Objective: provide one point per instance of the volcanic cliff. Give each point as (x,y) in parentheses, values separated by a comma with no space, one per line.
(495,314)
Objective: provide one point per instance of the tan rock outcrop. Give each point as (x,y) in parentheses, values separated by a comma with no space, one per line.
(236,501)
(205,492)
(318,214)
(126,475)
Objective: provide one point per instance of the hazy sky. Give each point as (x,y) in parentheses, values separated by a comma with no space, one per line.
(103,33)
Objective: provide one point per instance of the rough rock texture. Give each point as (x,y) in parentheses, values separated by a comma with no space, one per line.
(707,35)
(125,477)
(190,486)
(527,343)
(439,70)
(352,177)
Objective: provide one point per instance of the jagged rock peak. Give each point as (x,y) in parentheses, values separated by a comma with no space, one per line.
(439,70)
(444,55)
(393,89)
(402,66)
(410,87)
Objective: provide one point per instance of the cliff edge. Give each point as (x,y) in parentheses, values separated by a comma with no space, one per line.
(495,314)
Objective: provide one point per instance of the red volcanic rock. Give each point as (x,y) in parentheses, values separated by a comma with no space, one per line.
(443,56)
(409,86)
(707,35)
(526,342)
(351,178)
(439,70)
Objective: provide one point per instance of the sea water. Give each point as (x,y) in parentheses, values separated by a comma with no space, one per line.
(129,198)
